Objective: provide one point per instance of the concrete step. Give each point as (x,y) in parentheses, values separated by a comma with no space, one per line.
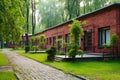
(58,59)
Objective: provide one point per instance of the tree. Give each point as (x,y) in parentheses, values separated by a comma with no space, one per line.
(11,20)
(75,32)
(72,8)
(49,13)
(33,15)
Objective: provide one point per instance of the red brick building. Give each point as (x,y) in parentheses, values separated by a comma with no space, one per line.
(101,24)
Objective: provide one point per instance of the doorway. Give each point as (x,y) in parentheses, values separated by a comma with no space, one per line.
(88,41)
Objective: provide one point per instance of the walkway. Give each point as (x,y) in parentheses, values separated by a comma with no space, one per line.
(31,70)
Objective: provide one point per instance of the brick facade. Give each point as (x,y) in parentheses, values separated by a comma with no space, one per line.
(106,17)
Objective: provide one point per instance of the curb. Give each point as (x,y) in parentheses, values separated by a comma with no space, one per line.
(18,76)
(79,76)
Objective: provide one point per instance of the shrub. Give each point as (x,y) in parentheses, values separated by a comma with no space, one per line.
(51,53)
(72,52)
(114,39)
(61,53)
(76,31)
(106,45)
(27,48)
(35,48)
(79,52)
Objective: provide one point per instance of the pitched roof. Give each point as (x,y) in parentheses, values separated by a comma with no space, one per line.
(96,11)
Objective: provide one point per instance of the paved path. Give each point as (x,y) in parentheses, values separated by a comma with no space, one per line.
(31,70)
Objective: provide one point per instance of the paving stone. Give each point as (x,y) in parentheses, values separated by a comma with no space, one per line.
(31,70)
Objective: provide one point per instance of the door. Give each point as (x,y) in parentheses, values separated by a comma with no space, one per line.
(88,41)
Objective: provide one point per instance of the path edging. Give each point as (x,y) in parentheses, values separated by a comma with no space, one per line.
(78,76)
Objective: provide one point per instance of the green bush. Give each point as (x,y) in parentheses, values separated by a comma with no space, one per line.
(27,48)
(60,53)
(72,52)
(76,31)
(114,39)
(51,51)
(79,52)
(35,48)
(106,45)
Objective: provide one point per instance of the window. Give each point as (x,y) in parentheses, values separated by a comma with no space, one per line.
(47,41)
(67,38)
(59,42)
(50,41)
(79,43)
(104,36)
(54,41)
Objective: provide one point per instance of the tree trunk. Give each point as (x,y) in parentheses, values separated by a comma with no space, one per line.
(33,16)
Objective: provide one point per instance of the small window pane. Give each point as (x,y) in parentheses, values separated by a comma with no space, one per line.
(104,36)
(108,36)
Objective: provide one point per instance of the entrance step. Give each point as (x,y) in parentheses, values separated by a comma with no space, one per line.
(58,59)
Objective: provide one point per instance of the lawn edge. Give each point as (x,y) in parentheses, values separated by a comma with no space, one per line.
(78,76)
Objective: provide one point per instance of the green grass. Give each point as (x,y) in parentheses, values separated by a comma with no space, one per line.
(94,70)
(3,60)
(38,57)
(7,76)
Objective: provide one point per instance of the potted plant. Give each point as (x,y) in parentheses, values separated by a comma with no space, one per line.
(51,53)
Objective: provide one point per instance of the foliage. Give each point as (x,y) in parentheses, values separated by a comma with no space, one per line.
(27,48)
(49,13)
(75,32)
(110,70)
(79,52)
(106,45)
(51,51)
(3,60)
(34,48)
(63,43)
(114,39)
(7,76)
(73,52)
(11,20)
(114,43)
(65,10)
(32,40)
(42,41)
(60,53)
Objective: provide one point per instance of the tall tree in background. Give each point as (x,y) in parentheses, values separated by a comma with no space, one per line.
(53,12)
(33,16)
(27,4)
(49,13)
(72,8)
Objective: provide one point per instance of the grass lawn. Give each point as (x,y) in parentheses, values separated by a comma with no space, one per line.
(94,70)
(3,60)
(5,75)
